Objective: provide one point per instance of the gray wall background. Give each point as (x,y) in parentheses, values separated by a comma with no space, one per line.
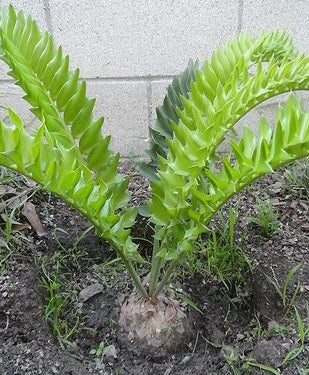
(128,51)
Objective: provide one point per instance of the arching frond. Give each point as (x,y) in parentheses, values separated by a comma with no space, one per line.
(204,85)
(195,203)
(210,111)
(67,154)
(254,156)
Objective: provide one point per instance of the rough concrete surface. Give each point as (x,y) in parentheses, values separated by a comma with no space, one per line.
(290,15)
(125,38)
(124,108)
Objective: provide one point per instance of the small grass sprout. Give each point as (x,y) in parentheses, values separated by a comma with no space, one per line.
(248,363)
(220,255)
(188,301)
(60,307)
(297,177)
(257,325)
(276,328)
(303,333)
(6,252)
(282,290)
(12,239)
(302,371)
(266,218)
(56,309)
(69,258)
(107,274)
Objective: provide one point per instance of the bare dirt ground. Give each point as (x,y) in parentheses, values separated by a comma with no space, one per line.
(232,329)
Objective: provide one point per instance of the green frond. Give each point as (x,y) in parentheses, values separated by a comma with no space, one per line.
(224,91)
(206,87)
(254,156)
(208,122)
(58,170)
(275,44)
(166,113)
(67,154)
(251,158)
(53,91)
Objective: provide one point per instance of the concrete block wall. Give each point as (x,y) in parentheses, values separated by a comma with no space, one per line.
(129,50)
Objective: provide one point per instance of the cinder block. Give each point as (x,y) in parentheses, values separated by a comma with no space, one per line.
(124,107)
(250,119)
(125,38)
(290,15)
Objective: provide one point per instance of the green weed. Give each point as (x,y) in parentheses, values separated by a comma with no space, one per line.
(297,177)
(220,256)
(60,297)
(69,257)
(6,252)
(282,290)
(61,294)
(303,332)
(260,366)
(100,350)
(12,239)
(108,273)
(266,218)
(302,371)
(257,325)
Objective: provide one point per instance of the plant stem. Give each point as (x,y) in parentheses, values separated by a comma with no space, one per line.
(156,264)
(136,279)
(166,277)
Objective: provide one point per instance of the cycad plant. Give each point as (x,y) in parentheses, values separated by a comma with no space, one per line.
(190,180)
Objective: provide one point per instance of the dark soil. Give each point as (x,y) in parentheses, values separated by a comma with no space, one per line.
(234,326)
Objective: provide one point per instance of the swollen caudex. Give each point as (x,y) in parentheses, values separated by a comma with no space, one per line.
(158,327)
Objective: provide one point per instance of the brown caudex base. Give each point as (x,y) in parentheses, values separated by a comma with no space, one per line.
(153,327)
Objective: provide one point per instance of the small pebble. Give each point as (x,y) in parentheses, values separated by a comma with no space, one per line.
(186,359)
